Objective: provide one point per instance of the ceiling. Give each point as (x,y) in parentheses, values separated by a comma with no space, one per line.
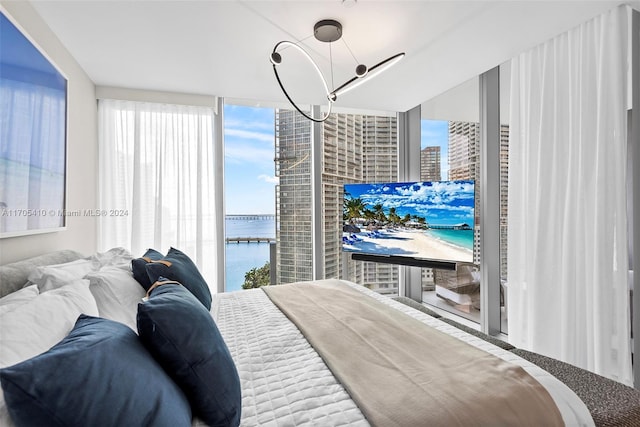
(222,47)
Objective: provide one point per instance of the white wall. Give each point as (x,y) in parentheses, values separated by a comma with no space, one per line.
(82,146)
(462,103)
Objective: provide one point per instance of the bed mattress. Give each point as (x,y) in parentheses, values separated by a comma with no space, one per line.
(285,382)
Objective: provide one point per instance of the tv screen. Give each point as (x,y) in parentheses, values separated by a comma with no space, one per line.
(422,220)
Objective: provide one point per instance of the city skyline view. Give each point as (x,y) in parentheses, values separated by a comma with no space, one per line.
(435,133)
(249,134)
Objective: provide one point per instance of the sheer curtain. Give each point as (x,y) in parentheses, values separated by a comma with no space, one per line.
(156,182)
(567,285)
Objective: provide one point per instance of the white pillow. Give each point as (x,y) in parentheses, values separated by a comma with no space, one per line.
(16,299)
(36,326)
(117,294)
(50,277)
(114,256)
(5,418)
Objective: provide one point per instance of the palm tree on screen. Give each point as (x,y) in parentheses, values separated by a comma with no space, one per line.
(353,208)
(379,213)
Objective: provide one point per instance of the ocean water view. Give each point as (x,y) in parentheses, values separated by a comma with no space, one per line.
(242,257)
(462,238)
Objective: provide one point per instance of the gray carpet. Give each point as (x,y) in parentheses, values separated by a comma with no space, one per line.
(609,402)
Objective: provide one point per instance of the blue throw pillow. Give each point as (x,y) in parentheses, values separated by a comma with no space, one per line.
(183,337)
(138,267)
(99,375)
(178,266)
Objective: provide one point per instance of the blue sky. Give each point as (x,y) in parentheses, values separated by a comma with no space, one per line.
(249,151)
(441,203)
(436,133)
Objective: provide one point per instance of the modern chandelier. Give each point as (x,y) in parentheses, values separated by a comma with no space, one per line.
(328,31)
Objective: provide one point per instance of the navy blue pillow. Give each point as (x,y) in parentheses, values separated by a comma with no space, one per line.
(183,337)
(99,375)
(138,267)
(178,266)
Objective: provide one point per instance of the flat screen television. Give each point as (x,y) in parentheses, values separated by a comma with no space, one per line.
(410,220)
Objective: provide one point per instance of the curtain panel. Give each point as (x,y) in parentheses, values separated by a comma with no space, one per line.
(156,180)
(568,295)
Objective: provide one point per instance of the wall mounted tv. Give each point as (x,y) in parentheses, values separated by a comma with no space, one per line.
(428,224)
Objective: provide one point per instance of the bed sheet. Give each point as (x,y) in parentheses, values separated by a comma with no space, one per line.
(285,382)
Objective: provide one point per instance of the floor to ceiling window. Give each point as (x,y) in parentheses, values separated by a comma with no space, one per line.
(293,197)
(249,194)
(505,76)
(450,150)
(356,148)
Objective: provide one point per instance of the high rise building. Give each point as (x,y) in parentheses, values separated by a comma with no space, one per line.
(430,164)
(464,163)
(380,161)
(293,197)
(356,149)
(504,197)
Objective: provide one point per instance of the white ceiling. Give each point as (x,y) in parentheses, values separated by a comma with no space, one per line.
(222,47)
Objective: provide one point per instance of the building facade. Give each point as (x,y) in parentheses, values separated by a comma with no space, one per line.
(430,169)
(293,197)
(356,149)
(464,164)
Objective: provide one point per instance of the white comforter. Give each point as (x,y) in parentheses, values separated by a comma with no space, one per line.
(285,382)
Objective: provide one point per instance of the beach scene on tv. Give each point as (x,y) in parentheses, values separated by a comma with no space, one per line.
(428,220)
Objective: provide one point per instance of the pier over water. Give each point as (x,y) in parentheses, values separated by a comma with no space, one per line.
(450,227)
(250,228)
(256,217)
(250,239)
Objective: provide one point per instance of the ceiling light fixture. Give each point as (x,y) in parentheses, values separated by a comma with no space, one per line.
(328,31)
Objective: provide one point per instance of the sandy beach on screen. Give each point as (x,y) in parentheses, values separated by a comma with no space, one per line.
(410,243)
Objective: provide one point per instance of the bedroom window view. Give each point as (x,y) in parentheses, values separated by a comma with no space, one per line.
(270,216)
(294,233)
(268,192)
(450,151)
(505,77)
(250,195)
(355,148)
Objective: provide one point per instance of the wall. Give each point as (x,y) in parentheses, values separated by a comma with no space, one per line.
(82,146)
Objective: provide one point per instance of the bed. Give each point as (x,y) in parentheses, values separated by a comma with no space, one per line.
(283,378)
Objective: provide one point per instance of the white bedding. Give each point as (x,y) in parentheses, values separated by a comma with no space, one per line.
(285,382)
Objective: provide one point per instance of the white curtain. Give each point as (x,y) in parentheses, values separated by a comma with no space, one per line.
(568,295)
(156,182)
